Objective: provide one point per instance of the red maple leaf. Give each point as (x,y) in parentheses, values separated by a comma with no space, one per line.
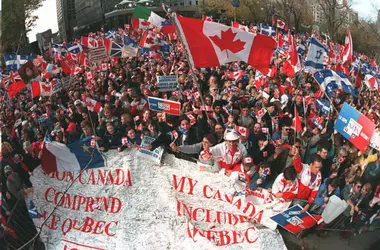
(145,23)
(149,40)
(46,88)
(226,42)
(280,23)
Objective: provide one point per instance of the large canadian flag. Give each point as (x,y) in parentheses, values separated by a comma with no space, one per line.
(41,89)
(371,82)
(212,44)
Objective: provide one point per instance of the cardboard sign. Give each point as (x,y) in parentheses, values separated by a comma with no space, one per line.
(355,127)
(129,51)
(155,155)
(97,54)
(161,105)
(293,220)
(167,83)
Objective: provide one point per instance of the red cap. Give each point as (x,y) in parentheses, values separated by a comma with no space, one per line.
(248,161)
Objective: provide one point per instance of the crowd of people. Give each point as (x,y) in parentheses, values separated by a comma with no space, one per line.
(235,125)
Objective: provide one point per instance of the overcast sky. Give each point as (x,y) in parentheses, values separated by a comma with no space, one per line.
(48,20)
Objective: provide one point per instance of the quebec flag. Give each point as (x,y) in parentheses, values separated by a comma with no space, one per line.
(71,157)
(315,56)
(355,127)
(330,81)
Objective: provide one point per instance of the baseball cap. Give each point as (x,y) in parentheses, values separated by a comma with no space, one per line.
(248,161)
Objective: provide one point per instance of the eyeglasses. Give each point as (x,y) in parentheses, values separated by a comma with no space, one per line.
(287,129)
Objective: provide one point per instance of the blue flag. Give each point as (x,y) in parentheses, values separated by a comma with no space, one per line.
(14,62)
(267,30)
(323,105)
(331,81)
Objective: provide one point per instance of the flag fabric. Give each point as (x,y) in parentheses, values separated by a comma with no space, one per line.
(128,41)
(238,26)
(371,82)
(14,62)
(32,209)
(355,127)
(58,157)
(279,24)
(149,41)
(142,13)
(330,81)
(93,105)
(315,56)
(267,30)
(236,75)
(296,121)
(348,48)
(293,53)
(41,89)
(301,48)
(15,88)
(323,105)
(207,18)
(242,130)
(116,49)
(212,44)
(74,48)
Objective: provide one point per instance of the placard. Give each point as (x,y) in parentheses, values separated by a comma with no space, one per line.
(155,155)
(294,220)
(161,105)
(375,140)
(355,127)
(97,54)
(167,83)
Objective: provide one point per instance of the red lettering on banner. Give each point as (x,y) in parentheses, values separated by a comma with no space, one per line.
(223,238)
(78,202)
(205,191)
(118,177)
(182,182)
(90,226)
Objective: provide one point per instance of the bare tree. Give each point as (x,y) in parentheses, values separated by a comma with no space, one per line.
(335,14)
(294,12)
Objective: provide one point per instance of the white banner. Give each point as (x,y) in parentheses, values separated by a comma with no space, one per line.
(375,140)
(129,51)
(136,204)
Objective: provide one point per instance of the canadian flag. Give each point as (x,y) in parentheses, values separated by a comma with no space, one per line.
(41,89)
(239,26)
(212,44)
(371,82)
(279,23)
(112,76)
(207,18)
(236,75)
(104,67)
(242,130)
(348,48)
(75,70)
(296,121)
(89,75)
(293,53)
(93,105)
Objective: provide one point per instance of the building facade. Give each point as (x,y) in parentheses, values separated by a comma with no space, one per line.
(89,16)
(66,19)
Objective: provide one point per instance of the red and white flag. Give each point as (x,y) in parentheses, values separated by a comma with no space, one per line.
(293,53)
(207,18)
(371,82)
(236,75)
(348,48)
(239,26)
(296,121)
(279,23)
(41,89)
(89,75)
(242,130)
(76,70)
(93,105)
(212,44)
(112,76)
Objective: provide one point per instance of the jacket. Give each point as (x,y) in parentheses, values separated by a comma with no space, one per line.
(307,190)
(289,192)
(323,192)
(227,159)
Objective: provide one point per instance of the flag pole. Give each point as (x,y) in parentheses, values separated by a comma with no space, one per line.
(192,68)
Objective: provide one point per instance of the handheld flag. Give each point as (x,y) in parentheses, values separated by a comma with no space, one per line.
(315,56)
(331,81)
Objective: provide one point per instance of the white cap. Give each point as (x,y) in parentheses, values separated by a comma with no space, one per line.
(231,135)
